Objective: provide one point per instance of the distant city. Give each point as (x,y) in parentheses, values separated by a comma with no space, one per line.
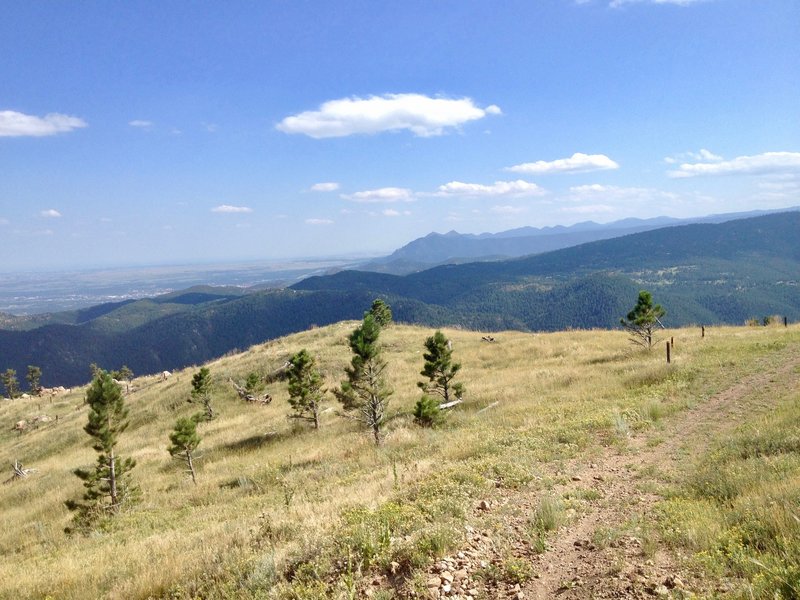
(42,292)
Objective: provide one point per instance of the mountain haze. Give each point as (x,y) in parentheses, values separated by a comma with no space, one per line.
(454,247)
(701,273)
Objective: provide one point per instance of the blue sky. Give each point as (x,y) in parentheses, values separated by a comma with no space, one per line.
(173,132)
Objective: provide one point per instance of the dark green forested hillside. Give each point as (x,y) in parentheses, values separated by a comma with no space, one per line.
(708,274)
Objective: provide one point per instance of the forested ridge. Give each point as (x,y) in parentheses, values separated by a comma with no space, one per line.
(701,273)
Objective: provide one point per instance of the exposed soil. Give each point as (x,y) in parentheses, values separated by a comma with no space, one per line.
(605,550)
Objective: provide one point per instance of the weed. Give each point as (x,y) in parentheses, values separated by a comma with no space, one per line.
(603,537)
(549,514)
(510,570)
(586,494)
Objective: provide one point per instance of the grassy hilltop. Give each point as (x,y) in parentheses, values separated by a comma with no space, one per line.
(576,464)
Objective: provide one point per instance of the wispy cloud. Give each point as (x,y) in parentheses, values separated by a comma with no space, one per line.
(577,163)
(758,164)
(423,115)
(50,213)
(387,194)
(702,155)
(17,124)
(227,208)
(327,186)
(4,221)
(319,222)
(390,212)
(141,124)
(498,188)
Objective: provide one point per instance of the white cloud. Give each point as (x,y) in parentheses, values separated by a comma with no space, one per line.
(508,210)
(50,213)
(702,155)
(141,124)
(577,163)
(4,221)
(319,222)
(758,164)
(498,188)
(16,124)
(708,155)
(327,186)
(390,212)
(227,208)
(422,115)
(387,194)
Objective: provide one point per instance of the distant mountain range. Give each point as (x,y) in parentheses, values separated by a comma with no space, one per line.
(701,273)
(454,248)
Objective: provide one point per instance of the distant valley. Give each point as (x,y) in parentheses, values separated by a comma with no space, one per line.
(31,293)
(702,273)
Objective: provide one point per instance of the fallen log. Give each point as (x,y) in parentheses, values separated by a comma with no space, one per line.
(279,374)
(450,404)
(20,472)
(485,408)
(245,395)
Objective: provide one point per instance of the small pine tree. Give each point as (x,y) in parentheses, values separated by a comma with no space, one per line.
(381,311)
(107,485)
(11,383)
(124,374)
(34,378)
(305,388)
(201,392)
(185,440)
(643,319)
(440,369)
(365,394)
(95,370)
(427,412)
(253,383)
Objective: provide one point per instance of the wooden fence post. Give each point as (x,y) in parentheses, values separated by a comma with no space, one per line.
(703,331)
(668,356)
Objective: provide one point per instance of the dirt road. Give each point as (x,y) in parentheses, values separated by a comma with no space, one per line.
(608,549)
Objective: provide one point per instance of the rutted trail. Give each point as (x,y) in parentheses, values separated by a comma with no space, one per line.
(605,550)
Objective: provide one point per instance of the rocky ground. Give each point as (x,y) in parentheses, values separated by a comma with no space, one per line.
(607,548)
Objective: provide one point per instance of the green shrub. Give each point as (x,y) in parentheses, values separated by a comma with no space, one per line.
(427,412)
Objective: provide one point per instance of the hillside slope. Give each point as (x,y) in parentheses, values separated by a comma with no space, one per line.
(702,273)
(707,273)
(532,482)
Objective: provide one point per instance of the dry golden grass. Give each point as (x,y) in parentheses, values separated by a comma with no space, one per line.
(269,489)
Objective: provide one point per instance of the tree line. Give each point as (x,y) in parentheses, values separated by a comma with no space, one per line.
(364,395)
